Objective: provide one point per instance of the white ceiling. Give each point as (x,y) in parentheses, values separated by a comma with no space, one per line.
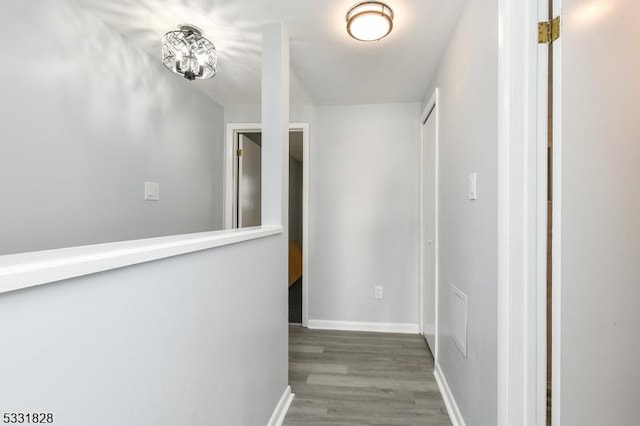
(327,66)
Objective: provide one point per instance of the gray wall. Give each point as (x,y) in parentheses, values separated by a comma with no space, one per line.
(600,280)
(467,78)
(86,119)
(196,339)
(364,213)
(363,209)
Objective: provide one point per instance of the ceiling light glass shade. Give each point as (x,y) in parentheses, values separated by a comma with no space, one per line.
(369,21)
(188,53)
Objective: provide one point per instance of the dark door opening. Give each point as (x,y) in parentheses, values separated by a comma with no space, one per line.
(296,167)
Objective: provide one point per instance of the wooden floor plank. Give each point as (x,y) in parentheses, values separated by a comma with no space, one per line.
(359,378)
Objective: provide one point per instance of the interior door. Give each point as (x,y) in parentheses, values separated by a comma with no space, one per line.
(249,195)
(429,230)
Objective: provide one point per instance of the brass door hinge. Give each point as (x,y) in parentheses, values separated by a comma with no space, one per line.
(239,153)
(549,31)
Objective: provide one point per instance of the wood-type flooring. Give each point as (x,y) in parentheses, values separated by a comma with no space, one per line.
(356,378)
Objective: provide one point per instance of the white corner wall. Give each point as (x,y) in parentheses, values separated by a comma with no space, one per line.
(87,119)
(197,339)
(467,78)
(599,285)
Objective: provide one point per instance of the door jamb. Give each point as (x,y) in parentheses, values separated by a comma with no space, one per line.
(432,107)
(306,165)
(231,130)
(522,207)
(556,243)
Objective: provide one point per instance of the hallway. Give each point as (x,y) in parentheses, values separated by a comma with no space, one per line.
(356,378)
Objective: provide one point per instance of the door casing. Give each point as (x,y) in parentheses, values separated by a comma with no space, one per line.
(431,111)
(522,215)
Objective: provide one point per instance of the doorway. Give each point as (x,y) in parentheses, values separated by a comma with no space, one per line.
(296,171)
(247,209)
(243,195)
(429,223)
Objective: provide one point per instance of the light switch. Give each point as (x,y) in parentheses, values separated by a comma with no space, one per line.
(151,191)
(473,189)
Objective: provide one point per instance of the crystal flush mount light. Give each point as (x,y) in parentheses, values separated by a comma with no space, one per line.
(369,21)
(186,52)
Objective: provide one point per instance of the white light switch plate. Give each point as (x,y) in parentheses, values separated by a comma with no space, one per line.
(151,191)
(378,292)
(473,186)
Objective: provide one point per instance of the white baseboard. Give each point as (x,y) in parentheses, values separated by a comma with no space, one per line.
(449,400)
(380,327)
(281,409)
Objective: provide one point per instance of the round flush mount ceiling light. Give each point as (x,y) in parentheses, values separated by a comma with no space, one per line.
(369,21)
(187,53)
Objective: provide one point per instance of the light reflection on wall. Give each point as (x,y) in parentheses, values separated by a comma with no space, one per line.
(85,119)
(591,12)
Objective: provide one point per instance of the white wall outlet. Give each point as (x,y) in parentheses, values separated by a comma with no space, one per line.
(151,191)
(378,292)
(473,186)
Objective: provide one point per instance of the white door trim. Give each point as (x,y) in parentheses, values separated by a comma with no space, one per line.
(306,165)
(556,277)
(229,151)
(521,217)
(433,104)
(231,130)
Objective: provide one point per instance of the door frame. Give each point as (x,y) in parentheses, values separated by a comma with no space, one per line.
(432,107)
(237,170)
(556,227)
(232,129)
(522,211)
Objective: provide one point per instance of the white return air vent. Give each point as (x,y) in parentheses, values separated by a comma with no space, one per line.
(459,319)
